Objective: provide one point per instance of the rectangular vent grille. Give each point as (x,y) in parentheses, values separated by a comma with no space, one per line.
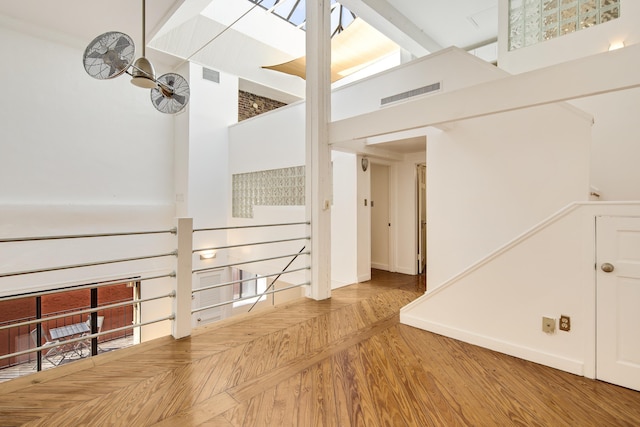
(211,75)
(414,92)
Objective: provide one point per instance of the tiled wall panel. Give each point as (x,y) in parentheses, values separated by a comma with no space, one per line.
(275,187)
(533,21)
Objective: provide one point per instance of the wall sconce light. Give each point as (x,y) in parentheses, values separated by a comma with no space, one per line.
(207,255)
(365,164)
(616,45)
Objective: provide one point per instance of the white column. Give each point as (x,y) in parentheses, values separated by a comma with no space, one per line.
(184,273)
(318,152)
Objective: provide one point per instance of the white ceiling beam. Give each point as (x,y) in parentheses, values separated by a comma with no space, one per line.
(597,74)
(381,15)
(361,147)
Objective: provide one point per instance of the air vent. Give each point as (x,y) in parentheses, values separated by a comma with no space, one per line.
(211,75)
(411,93)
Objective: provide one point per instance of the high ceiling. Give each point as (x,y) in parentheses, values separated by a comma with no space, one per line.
(199,30)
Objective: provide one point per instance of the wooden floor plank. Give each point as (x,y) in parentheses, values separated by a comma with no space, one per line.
(201,413)
(340,362)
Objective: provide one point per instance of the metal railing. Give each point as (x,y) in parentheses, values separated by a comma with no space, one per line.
(32,330)
(268,291)
(265,256)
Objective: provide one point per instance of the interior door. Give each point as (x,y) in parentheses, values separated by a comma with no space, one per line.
(618,301)
(380,217)
(209,297)
(422,218)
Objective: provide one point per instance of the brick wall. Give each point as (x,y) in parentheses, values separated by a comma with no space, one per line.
(17,339)
(251,105)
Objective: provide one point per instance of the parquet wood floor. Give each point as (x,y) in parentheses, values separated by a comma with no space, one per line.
(342,362)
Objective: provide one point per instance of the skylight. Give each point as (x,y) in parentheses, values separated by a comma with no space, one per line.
(293,11)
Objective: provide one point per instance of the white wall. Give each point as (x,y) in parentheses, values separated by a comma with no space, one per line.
(79,155)
(344,220)
(615,149)
(453,68)
(363,215)
(276,140)
(613,169)
(571,46)
(70,139)
(203,168)
(213,108)
(499,302)
(269,141)
(490,179)
(272,140)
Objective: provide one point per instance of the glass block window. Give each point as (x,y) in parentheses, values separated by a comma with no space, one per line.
(533,21)
(275,187)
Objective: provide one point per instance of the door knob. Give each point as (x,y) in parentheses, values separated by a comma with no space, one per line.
(607,268)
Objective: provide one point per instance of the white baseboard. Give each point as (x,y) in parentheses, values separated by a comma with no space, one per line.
(406,270)
(335,284)
(377,266)
(364,277)
(552,360)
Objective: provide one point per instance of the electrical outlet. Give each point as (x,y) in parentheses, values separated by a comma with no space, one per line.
(548,325)
(565,323)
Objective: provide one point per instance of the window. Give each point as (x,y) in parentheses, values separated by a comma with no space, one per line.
(294,11)
(533,21)
(248,285)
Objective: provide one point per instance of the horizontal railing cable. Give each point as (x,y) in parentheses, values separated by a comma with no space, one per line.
(273,282)
(88,310)
(222,285)
(252,244)
(86,236)
(247,298)
(248,262)
(251,226)
(87,264)
(86,337)
(86,286)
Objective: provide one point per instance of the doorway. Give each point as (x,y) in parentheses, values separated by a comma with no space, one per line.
(380,223)
(422,217)
(617,300)
(209,298)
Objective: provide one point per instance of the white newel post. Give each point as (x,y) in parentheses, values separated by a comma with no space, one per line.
(184,267)
(318,152)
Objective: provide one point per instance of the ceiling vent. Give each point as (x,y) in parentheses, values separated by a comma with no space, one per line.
(435,87)
(211,75)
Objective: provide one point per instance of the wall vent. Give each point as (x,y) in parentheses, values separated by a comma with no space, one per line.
(411,93)
(211,75)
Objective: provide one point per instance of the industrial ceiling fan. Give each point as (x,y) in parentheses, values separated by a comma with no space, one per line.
(111,54)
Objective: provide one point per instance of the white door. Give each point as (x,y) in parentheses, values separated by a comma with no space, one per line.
(422,218)
(618,301)
(380,217)
(209,297)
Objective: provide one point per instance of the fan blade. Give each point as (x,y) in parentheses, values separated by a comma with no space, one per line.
(159,100)
(121,64)
(95,55)
(121,45)
(179,98)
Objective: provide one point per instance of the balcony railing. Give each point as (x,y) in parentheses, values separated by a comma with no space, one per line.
(30,338)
